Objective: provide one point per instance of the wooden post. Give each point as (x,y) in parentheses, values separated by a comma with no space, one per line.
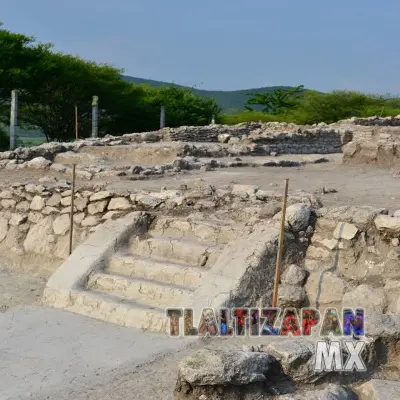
(13,119)
(95,116)
(76,122)
(280,246)
(71,224)
(162,117)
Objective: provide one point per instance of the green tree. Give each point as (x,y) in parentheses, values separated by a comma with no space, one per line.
(183,107)
(19,54)
(4,140)
(278,101)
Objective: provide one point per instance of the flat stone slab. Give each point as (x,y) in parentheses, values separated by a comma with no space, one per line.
(48,350)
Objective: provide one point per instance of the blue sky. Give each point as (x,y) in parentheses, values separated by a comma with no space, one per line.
(227,45)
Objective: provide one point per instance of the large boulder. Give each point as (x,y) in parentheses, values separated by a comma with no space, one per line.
(377,389)
(224,374)
(297,217)
(373,299)
(293,275)
(388,224)
(37,238)
(325,288)
(296,358)
(219,367)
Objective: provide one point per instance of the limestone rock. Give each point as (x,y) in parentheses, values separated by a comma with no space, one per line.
(97,207)
(119,203)
(23,206)
(392,292)
(377,389)
(61,224)
(317,253)
(6,194)
(66,201)
(80,203)
(148,201)
(293,275)
(387,223)
(49,210)
(219,367)
(290,295)
(297,216)
(330,244)
(8,204)
(100,196)
(37,203)
(17,219)
(248,190)
(79,217)
(66,193)
(3,228)
(54,200)
(91,220)
(38,163)
(112,215)
(36,240)
(345,231)
(325,288)
(296,358)
(270,209)
(14,237)
(61,249)
(35,217)
(371,298)
(330,392)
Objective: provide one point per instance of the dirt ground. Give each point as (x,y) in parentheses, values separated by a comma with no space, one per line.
(355,186)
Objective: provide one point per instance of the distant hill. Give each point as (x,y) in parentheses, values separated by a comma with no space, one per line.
(227,100)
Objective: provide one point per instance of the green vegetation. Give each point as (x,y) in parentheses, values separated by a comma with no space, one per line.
(311,107)
(50,84)
(228,101)
(4,142)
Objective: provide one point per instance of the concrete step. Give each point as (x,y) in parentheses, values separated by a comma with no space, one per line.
(218,232)
(145,291)
(164,272)
(109,308)
(176,250)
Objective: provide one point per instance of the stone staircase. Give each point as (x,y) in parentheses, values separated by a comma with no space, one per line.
(152,272)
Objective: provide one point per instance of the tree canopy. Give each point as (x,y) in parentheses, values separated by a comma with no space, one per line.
(50,84)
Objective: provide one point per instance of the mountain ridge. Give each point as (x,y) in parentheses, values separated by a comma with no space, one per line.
(228,100)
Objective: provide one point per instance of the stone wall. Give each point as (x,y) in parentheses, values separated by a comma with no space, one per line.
(377,121)
(35,219)
(353,259)
(380,150)
(269,137)
(273,137)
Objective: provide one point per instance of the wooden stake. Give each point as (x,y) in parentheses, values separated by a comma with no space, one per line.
(280,246)
(76,122)
(71,224)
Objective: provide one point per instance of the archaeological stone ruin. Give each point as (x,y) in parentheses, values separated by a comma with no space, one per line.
(189,217)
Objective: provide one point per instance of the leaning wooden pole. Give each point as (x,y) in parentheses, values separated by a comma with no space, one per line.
(71,223)
(280,246)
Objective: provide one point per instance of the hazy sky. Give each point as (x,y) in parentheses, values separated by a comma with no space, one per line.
(226,45)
